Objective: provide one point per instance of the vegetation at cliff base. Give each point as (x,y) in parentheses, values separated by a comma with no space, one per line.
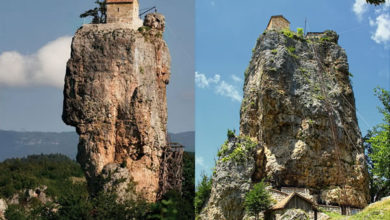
(377,144)
(258,199)
(378,210)
(68,198)
(53,171)
(202,193)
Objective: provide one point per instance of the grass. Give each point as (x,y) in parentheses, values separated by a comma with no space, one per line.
(379,210)
(335,215)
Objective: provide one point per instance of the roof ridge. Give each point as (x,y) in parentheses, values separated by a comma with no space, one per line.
(282,203)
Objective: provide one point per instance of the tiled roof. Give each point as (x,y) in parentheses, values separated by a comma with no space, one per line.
(280,16)
(282,204)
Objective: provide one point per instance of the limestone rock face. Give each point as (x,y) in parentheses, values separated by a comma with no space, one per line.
(155,20)
(115,96)
(299,104)
(3,208)
(232,179)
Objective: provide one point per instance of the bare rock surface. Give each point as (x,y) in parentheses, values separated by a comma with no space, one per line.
(299,104)
(115,96)
(232,179)
(3,208)
(299,107)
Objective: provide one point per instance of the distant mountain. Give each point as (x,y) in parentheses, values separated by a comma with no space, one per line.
(187,139)
(20,144)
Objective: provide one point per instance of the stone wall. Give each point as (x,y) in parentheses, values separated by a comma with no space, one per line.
(124,13)
(278,24)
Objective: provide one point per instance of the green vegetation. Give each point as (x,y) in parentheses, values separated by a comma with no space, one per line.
(246,73)
(144,29)
(258,199)
(334,215)
(320,97)
(98,13)
(188,187)
(231,134)
(274,51)
(291,34)
(202,193)
(300,32)
(291,51)
(223,150)
(378,210)
(237,155)
(288,33)
(243,146)
(70,198)
(377,143)
(141,70)
(52,171)
(325,39)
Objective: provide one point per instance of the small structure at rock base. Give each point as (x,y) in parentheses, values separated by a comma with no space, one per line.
(171,169)
(123,11)
(278,23)
(293,201)
(304,192)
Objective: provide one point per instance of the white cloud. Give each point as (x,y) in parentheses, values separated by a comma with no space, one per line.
(381,22)
(199,161)
(202,81)
(359,8)
(225,89)
(382,32)
(220,87)
(236,78)
(46,67)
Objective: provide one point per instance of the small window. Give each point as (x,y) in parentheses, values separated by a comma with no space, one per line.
(118,9)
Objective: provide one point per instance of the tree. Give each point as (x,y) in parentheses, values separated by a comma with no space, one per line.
(202,193)
(378,149)
(257,200)
(375,2)
(98,13)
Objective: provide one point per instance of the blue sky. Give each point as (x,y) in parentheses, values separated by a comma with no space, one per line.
(35,41)
(226,32)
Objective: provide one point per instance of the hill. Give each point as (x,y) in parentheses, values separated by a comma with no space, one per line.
(187,139)
(14,144)
(53,186)
(377,210)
